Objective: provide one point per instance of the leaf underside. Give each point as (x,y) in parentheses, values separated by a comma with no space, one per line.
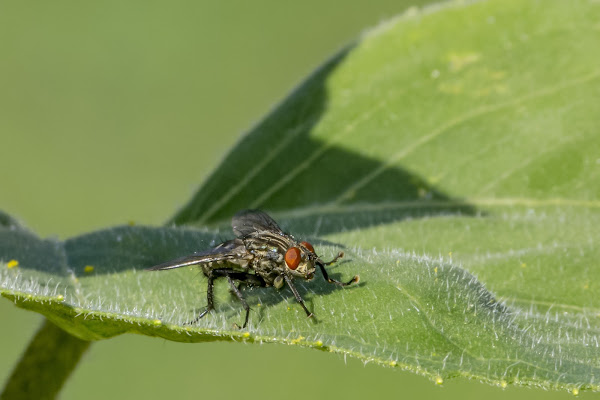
(451,153)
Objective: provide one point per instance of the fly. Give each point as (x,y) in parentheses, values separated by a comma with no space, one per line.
(260,255)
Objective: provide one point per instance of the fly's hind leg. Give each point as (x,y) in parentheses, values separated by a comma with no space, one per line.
(209,298)
(211,275)
(248,279)
(231,275)
(237,292)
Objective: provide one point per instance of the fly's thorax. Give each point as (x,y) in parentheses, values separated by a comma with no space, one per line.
(267,260)
(242,262)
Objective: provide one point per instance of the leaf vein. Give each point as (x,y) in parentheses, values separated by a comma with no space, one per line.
(476,113)
(316,154)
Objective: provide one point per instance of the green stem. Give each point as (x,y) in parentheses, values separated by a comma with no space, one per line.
(46,364)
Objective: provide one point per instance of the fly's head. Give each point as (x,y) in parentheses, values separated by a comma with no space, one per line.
(300,259)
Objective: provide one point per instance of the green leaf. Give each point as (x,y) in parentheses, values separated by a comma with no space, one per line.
(452,153)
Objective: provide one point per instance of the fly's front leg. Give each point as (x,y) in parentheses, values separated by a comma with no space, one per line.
(355,279)
(340,255)
(297,295)
(322,265)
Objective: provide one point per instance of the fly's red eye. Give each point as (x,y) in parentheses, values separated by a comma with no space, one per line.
(308,246)
(292,257)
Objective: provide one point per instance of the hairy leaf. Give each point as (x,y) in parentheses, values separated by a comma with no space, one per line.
(452,153)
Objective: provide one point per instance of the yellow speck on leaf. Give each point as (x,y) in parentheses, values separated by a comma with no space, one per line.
(393,363)
(586,286)
(503,384)
(12,264)
(460,61)
(246,334)
(575,391)
(523,265)
(157,322)
(60,297)
(297,340)
(88,269)
(439,380)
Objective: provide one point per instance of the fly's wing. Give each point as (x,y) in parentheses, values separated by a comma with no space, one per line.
(248,222)
(230,250)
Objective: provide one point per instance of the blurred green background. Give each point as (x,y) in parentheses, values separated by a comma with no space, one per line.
(115,111)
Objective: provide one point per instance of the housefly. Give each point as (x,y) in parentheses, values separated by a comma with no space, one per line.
(260,255)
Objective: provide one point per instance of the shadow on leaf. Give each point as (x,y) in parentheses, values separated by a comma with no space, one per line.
(317,185)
